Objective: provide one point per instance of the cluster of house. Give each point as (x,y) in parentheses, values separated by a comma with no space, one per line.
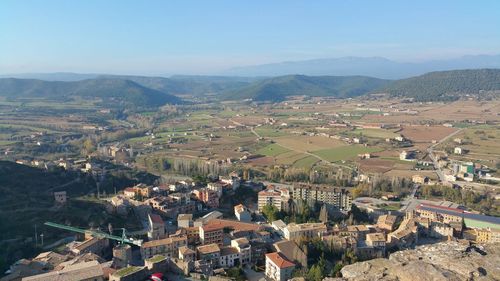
(76,164)
(177,198)
(209,245)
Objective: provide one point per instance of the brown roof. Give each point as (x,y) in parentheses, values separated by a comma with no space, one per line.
(165,241)
(375,237)
(156,219)
(224,251)
(80,271)
(279,260)
(185,250)
(235,225)
(207,249)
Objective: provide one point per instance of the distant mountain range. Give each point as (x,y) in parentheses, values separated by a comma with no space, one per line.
(367,66)
(157,91)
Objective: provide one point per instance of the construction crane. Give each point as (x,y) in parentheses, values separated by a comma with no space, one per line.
(97,233)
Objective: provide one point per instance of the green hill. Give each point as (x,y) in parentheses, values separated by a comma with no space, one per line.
(187,84)
(446,85)
(117,91)
(278,88)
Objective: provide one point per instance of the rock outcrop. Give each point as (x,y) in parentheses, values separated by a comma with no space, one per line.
(441,261)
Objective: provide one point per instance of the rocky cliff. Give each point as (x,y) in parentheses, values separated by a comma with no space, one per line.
(441,261)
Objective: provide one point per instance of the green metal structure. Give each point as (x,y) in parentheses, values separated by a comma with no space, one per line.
(97,233)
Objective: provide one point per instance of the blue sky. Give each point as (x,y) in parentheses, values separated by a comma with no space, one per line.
(204,37)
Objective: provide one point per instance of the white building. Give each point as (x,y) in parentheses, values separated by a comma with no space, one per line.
(156,227)
(278,267)
(307,230)
(269,197)
(229,257)
(458,150)
(244,249)
(242,214)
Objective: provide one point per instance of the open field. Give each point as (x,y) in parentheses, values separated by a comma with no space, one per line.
(375,133)
(272,150)
(306,143)
(426,133)
(306,162)
(344,152)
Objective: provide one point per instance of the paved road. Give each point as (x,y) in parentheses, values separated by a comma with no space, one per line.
(430,150)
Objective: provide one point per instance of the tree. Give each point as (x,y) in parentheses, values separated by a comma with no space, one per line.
(317,271)
(270,212)
(88,146)
(323,214)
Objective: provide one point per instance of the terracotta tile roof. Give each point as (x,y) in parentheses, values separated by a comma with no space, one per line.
(279,260)
(207,249)
(225,251)
(216,224)
(156,219)
(378,237)
(165,241)
(81,271)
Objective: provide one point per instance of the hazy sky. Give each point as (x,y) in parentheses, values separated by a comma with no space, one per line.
(166,37)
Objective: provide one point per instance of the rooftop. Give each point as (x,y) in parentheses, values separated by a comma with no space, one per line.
(165,241)
(81,271)
(235,225)
(459,212)
(127,271)
(156,219)
(207,249)
(375,237)
(279,260)
(157,258)
(184,250)
(228,250)
(185,217)
(304,226)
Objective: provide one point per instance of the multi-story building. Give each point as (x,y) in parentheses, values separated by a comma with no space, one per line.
(207,196)
(95,245)
(156,227)
(376,240)
(269,197)
(331,196)
(487,235)
(387,222)
(229,257)
(139,190)
(209,253)
(168,247)
(242,214)
(217,187)
(439,213)
(211,234)
(186,254)
(193,234)
(244,249)
(185,220)
(305,230)
(278,267)
(170,206)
